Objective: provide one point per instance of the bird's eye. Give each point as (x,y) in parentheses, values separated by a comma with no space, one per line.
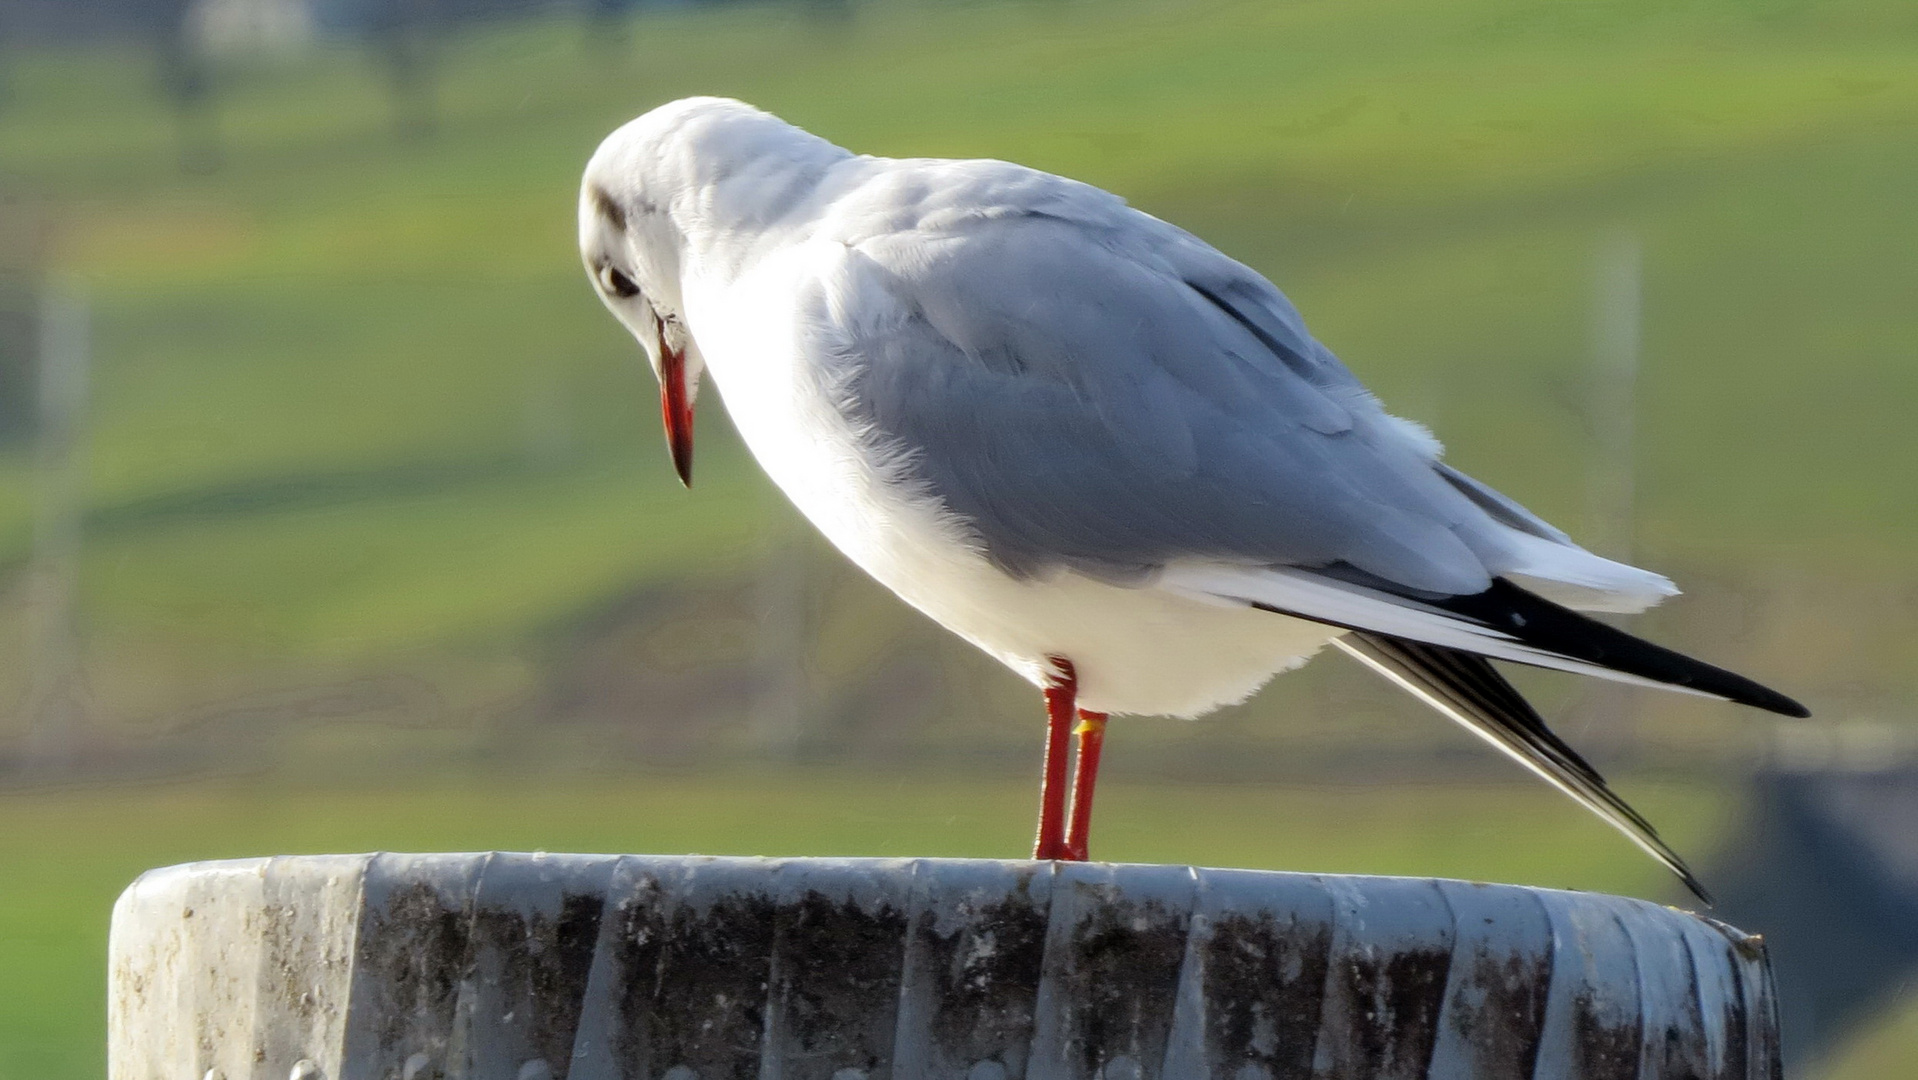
(617,283)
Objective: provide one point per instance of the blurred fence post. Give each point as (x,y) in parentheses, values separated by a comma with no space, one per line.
(186,77)
(1604,714)
(7,33)
(408,35)
(597,967)
(609,27)
(23,243)
(1617,332)
(780,694)
(53,699)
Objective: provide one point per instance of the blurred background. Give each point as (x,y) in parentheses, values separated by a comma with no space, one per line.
(335,513)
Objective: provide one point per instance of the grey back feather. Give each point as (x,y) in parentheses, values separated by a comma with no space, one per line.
(1090,387)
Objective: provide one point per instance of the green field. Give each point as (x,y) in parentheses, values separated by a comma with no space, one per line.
(357,416)
(319,364)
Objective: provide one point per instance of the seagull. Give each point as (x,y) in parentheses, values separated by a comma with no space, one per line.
(1090,444)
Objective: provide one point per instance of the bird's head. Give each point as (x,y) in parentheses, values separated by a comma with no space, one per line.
(687,188)
(632,250)
(634,271)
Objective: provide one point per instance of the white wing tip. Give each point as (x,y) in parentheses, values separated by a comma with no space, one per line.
(1569,575)
(1619,594)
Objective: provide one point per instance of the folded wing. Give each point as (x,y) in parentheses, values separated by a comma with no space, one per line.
(1090,389)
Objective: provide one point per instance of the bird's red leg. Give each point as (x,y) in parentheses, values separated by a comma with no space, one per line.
(1092,740)
(1061,691)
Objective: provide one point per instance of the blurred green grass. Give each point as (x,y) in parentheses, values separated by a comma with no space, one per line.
(355,405)
(68,854)
(1428,179)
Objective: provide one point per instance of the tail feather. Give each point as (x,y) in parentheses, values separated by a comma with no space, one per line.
(1468,689)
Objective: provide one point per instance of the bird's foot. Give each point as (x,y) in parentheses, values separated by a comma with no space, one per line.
(1055,851)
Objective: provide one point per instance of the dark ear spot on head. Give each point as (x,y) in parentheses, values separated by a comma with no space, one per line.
(606,208)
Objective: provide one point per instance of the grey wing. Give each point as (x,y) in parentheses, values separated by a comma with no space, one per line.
(1112,398)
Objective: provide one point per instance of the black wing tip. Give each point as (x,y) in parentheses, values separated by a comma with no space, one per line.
(1692,884)
(1783,706)
(1739,690)
(1477,691)
(1680,869)
(1742,691)
(1538,621)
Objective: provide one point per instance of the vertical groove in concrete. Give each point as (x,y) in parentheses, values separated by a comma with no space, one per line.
(416,916)
(1496,988)
(1385,984)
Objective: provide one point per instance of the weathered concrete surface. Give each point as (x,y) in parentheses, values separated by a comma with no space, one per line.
(587,967)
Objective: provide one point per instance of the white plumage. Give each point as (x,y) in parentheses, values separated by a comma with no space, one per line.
(1070,432)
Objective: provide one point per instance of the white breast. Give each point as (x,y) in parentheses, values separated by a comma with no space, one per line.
(1136,649)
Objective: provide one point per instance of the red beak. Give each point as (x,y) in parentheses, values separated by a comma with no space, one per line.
(676,407)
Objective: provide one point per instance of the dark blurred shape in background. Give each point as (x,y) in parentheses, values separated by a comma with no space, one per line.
(1830,869)
(23,245)
(334,513)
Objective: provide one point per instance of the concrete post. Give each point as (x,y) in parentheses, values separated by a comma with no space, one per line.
(583,967)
